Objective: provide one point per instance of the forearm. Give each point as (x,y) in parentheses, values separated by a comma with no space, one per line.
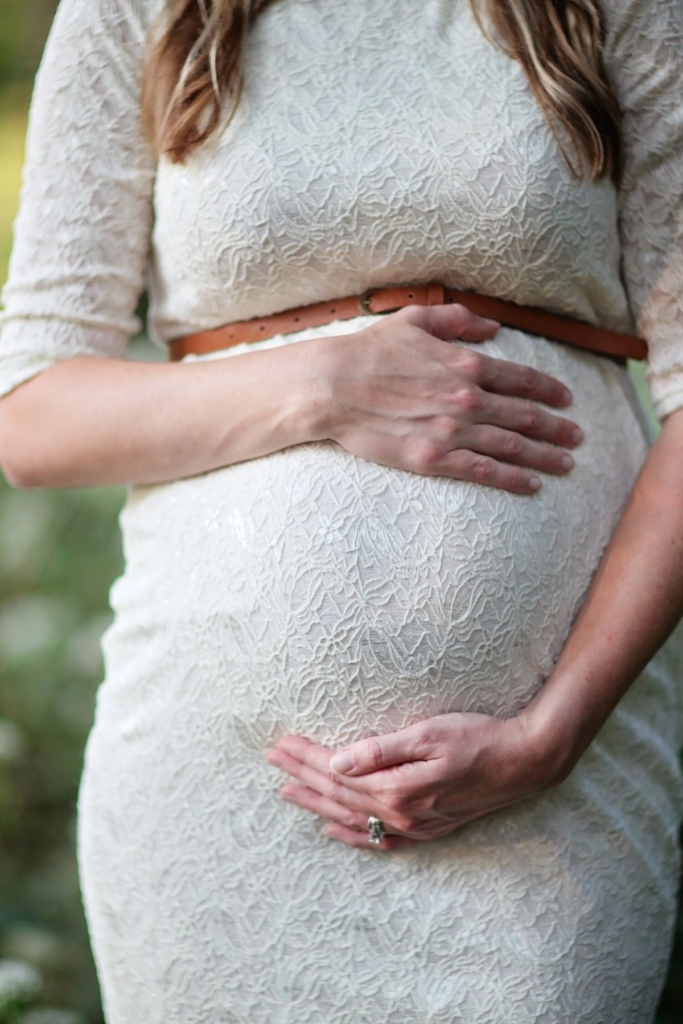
(397,393)
(93,421)
(438,774)
(633,604)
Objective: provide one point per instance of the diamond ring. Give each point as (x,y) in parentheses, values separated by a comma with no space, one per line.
(376,831)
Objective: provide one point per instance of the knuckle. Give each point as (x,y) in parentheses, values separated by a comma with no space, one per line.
(469,399)
(402,823)
(483,469)
(424,456)
(428,804)
(466,318)
(430,735)
(513,446)
(528,379)
(531,417)
(405,823)
(444,429)
(517,480)
(373,753)
(335,792)
(414,315)
(395,800)
(470,363)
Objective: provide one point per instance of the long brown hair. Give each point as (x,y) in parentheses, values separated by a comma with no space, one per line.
(193,73)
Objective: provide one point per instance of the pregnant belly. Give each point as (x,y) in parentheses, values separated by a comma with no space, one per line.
(314,592)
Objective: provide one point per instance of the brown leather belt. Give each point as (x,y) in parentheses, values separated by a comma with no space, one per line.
(387,300)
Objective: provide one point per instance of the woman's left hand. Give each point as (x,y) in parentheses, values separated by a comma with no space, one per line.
(423,781)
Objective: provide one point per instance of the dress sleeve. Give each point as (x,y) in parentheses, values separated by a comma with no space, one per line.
(82,235)
(645,64)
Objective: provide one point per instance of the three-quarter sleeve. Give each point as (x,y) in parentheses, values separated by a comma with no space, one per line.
(82,234)
(645,65)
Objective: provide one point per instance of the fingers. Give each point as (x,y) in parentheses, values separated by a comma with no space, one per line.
(450,322)
(507,378)
(377,752)
(311,754)
(371,755)
(517,450)
(312,801)
(463,464)
(360,840)
(308,764)
(455,323)
(348,826)
(380,792)
(531,420)
(346,803)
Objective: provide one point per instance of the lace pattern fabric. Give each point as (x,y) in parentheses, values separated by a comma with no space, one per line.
(314,592)
(376,157)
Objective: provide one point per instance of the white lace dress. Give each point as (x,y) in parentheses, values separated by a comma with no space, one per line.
(317,593)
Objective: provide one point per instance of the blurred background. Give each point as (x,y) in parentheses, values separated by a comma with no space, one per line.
(59,554)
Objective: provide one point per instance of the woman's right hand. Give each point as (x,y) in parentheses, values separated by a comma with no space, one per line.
(393,393)
(401,394)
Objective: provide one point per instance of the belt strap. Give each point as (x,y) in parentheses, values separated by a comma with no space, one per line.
(387,300)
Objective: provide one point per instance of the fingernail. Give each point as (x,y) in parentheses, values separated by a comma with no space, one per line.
(567,462)
(577,435)
(535,483)
(567,396)
(342,762)
(491,323)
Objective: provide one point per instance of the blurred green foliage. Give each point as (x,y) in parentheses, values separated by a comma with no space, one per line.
(59,554)
(23,27)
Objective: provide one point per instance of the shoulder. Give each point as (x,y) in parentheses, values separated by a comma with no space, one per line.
(88,36)
(108,14)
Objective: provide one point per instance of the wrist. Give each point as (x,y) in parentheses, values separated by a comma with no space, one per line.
(557,732)
(317,396)
(297,390)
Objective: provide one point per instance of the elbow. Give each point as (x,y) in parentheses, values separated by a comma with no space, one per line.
(20,473)
(17,476)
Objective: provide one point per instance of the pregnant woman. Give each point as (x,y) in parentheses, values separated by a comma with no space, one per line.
(363,536)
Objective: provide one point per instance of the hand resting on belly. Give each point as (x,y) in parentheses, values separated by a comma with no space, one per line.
(397,392)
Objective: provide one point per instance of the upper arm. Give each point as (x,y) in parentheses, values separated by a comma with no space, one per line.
(644,56)
(82,234)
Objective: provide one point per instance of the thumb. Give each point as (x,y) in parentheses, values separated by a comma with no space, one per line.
(454,322)
(377,752)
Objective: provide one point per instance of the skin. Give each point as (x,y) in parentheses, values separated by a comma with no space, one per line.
(398,393)
(434,777)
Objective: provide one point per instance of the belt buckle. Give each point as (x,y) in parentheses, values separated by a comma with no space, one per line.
(365,299)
